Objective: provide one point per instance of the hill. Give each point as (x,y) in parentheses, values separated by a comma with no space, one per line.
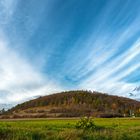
(75,104)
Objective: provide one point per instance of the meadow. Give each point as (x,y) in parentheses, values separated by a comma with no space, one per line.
(64,129)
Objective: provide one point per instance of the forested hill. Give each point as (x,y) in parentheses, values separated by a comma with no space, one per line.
(76,104)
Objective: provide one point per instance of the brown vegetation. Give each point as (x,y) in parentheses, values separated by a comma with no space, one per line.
(76,104)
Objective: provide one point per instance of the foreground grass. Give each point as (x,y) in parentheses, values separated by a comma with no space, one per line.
(64,129)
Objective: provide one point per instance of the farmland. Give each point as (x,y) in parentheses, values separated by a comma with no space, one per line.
(64,129)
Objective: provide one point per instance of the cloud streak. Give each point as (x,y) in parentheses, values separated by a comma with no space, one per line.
(109,75)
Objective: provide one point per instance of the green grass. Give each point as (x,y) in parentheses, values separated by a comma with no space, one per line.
(64,129)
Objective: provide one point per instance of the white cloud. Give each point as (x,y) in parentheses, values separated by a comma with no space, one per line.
(104,78)
(102,46)
(19,78)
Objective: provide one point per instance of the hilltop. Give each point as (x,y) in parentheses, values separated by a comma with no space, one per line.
(75,104)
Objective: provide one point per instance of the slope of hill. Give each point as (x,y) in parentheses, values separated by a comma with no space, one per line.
(76,104)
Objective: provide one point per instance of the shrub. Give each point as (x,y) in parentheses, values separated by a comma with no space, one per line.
(86,124)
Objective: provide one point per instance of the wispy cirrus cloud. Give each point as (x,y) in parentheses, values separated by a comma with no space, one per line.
(109,76)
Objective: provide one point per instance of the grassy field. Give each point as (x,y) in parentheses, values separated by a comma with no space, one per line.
(64,129)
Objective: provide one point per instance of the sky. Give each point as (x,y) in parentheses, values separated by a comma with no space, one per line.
(48,46)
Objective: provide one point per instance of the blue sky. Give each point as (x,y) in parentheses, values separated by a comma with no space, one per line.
(48,46)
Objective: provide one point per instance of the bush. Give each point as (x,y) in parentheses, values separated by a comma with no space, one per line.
(86,124)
